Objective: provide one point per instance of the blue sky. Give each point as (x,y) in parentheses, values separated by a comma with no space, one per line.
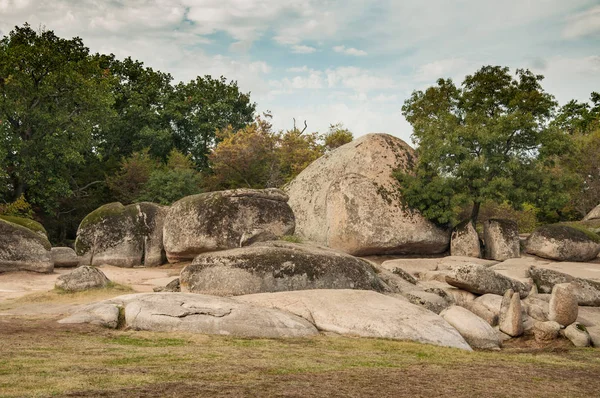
(329,61)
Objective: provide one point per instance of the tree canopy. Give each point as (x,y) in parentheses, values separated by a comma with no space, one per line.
(477,142)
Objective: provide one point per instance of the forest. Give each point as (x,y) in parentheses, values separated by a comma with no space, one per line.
(80,130)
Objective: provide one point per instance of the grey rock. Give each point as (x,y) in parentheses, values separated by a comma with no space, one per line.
(481,280)
(594,333)
(431,301)
(501,239)
(363,313)
(586,291)
(536,308)
(562,243)
(349,200)
(578,335)
(173,286)
(511,315)
(476,331)
(404,275)
(64,257)
(22,249)
(545,331)
(225,220)
(563,305)
(276,266)
(594,214)
(100,314)
(482,311)
(465,240)
(82,278)
(492,302)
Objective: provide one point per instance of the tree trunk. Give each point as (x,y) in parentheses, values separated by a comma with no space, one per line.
(475,212)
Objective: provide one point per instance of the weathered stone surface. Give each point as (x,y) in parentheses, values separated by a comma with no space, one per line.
(465,240)
(82,278)
(586,291)
(578,335)
(476,331)
(404,275)
(433,302)
(22,249)
(123,236)
(536,308)
(563,304)
(101,314)
(511,316)
(173,286)
(501,239)
(363,313)
(422,267)
(563,243)
(482,311)
(480,280)
(64,257)
(594,333)
(27,223)
(589,316)
(349,200)
(225,220)
(492,302)
(276,266)
(594,214)
(545,331)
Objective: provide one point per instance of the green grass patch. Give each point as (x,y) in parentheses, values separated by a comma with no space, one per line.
(291,238)
(140,342)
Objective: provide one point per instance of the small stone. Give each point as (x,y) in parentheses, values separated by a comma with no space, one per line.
(173,286)
(82,278)
(545,331)
(578,335)
(563,305)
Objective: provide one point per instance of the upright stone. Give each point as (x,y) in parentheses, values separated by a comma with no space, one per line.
(349,200)
(563,304)
(501,239)
(511,315)
(465,241)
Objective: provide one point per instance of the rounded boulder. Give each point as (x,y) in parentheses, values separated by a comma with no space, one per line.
(563,243)
(23,249)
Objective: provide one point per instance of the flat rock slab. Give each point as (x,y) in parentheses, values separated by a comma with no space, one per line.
(477,332)
(195,313)
(481,280)
(419,266)
(363,313)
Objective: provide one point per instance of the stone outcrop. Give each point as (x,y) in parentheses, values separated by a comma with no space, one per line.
(465,240)
(349,200)
(363,313)
(82,278)
(276,266)
(173,286)
(501,239)
(225,220)
(586,291)
(101,314)
(594,214)
(123,236)
(563,305)
(481,280)
(511,316)
(64,257)
(27,223)
(563,243)
(22,249)
(476,331)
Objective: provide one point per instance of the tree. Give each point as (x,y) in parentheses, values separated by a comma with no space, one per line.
(202,107)
(129,182)
(53,95)
(477,143)
(337,136)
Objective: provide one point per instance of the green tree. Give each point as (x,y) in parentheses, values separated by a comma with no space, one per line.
(337,136)
(477,143)
(129,182)
(202,107)
(53,97)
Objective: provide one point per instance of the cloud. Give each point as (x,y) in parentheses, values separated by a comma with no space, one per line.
(583,24)
(302,49)
(349,51)
(450,67)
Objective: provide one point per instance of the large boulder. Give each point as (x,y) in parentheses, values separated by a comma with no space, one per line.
(476,331)
(349,200)
(100,314)
(82,278)
(586,291)
(123,236)
(501,239)
(563,305)
(363,313)
(196,313)
(27,223)
(225,220)
(64,257)
(594,214)
(478,279)
(465,240)
(563,243)
(22,249)
(276,266)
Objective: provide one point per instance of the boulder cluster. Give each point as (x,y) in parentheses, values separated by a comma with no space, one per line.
(247,274)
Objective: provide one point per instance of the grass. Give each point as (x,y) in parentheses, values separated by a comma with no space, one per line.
(42,358)
(291,238)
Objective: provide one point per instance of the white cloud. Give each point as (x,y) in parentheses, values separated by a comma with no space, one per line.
(450,67)
(302,49)
(358,79)
(349,51)
(583,24)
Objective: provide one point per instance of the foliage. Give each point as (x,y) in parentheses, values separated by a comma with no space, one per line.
(19,208)
(336,136)
(477,143)
(128,184)
(526,217)
(200,108)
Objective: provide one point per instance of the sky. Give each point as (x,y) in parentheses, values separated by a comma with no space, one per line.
(330,61)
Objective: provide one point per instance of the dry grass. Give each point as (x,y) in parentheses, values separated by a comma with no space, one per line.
(42,358)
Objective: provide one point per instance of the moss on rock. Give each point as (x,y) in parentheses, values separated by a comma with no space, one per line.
(27,223)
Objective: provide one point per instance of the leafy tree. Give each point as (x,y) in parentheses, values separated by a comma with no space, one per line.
(53,95)
(477,143)
(579,117)
(296,151)
(337,136)
(203,106)
(129,182)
